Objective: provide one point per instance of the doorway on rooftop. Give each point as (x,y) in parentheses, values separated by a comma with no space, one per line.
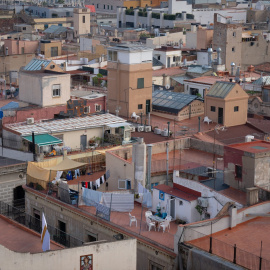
(172,207)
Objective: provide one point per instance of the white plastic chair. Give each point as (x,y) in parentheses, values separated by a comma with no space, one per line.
(132,219)
(134,115)
(165,224)
(148,214)
(207,120)
(170,219)
(150,224)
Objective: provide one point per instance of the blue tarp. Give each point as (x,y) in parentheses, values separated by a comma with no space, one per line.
(10,105)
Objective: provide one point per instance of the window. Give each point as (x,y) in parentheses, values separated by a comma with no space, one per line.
(112,56)
(104,6)
(108,6)
(111,7)
(56,90)
(140,83)
(24,28)
(22,50)
(233,49)
(174,58)
(86,109)
(158,58)
(97,107)
(180,202)
(234,34)
(155,266)
(236,108)
(124,184)
(91,237)
(140,106)
(83,19)
(213,109)
(97,5)
(238,171)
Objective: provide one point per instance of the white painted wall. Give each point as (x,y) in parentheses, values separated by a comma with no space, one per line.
(191,40)
(200,87)
(126,57)
(202,58)
(216,201)
(176,6)
(37,89)
(85,44)
(106,255)
(165,55)
(185,211)
(204,16)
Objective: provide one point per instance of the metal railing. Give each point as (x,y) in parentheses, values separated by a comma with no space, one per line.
(33,223)
(229,252)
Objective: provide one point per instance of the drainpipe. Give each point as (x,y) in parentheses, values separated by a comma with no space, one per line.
(34,146)
(167,163)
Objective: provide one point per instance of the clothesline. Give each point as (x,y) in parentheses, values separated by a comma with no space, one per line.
(95,184)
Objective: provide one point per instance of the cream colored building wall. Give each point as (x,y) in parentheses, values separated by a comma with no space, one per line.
(122,78)
(204,38)
(237,97)
(119,169)
(106,255)
(45,48)
(73,138)
(40,22)
(14,63)
(81,28)
(164,40)
(38,89)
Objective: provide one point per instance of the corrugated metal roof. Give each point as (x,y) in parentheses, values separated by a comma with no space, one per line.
(180,79)
(35,64)
(198,69)
(265,80)
(170,101)
(221,89)
(156,63)
(55,29)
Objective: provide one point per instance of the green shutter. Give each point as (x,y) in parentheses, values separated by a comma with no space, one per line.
(140,83)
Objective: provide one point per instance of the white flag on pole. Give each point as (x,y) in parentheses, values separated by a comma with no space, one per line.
(45,235)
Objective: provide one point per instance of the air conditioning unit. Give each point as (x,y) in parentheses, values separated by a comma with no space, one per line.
(30,121)
(147,129)
(140,128)
(157,131)
(203,202)
(132,129)
(164,133)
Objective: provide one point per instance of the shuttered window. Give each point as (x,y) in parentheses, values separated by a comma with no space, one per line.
(140,83)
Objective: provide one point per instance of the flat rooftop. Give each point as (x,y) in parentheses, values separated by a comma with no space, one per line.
(253,147)
(4,161)
(247,236)
(61,125)
(18,238)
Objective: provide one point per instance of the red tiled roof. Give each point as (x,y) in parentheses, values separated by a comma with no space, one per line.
(91,7)
(180,192)
(253,147)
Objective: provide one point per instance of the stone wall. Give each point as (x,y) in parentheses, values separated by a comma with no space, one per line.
(206,146)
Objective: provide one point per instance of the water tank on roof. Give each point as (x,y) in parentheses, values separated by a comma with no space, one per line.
(249,138)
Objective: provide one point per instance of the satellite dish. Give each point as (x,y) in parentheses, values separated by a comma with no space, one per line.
(167,86)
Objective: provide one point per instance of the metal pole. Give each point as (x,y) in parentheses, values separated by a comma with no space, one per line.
(210,248)
(260,266)
(168,129)
(141,218)
(167,163)
(149,124)
(34,146)
(141,118)
(199,126)
(234,254)
(173,143)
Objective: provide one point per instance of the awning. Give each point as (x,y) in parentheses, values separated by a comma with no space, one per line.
(43,139)
(67,164)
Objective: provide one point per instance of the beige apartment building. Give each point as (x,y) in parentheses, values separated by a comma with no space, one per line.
(227,104)
(50,48)
(129,80)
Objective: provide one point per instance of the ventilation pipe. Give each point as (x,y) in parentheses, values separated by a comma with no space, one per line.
(237,74)
(232,68)
(149,160)
(210,51)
